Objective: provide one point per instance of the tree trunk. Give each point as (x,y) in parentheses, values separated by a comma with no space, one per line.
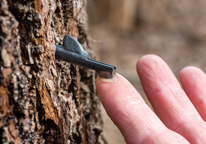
(43,100)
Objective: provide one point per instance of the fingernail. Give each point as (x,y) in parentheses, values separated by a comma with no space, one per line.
(112,80)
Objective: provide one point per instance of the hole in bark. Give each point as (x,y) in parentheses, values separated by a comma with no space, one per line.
(9,40)
(2,139)
(57,11)
(18,111)
(1,40)
(39,106)
(87,117)
(52,133)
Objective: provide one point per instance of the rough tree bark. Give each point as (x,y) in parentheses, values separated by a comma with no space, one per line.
(43,100)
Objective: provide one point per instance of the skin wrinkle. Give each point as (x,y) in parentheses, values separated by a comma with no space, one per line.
(123,112)
(124,100)
(171,105)
(146,122)
(147,75)
(125,123)
(194,133)
(178,114)
(174,95)
(151,136)
(154,138)
(187,119)
(147,125)
(139,99)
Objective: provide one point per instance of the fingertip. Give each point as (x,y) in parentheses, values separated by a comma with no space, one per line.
(152,70)
(189,70)
(146,61)
(147,57)
(190,74)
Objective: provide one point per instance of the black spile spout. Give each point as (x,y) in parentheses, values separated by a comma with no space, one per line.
(71,51)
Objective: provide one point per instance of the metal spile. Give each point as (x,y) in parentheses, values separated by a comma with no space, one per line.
(71,51)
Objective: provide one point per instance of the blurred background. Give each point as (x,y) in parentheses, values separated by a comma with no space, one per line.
(122,31)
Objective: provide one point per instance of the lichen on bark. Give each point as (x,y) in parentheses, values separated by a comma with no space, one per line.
(43,100)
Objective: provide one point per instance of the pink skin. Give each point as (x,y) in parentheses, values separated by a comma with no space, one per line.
(179,114)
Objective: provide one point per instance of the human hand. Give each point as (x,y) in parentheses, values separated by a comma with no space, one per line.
(180,114)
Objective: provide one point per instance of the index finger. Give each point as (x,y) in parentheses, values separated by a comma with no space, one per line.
(132,116)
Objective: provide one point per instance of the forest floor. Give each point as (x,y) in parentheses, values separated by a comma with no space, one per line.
(124,48)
